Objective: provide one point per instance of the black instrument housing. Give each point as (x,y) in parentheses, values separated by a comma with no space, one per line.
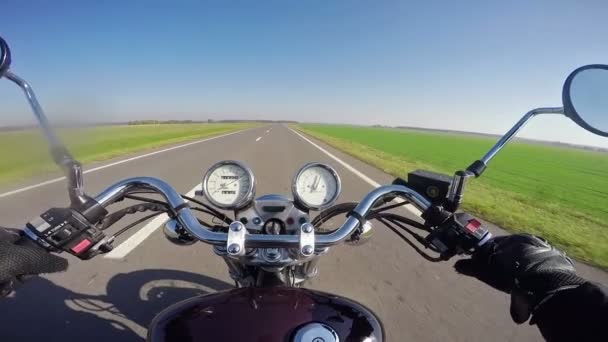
(5,57)
(432,185)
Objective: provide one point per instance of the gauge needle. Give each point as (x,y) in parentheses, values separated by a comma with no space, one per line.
(224,186)
(315,184)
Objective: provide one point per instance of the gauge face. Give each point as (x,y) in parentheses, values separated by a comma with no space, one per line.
(229,185)
(316,186)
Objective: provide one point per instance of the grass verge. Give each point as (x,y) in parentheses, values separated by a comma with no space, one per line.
(25,153)
(558,193)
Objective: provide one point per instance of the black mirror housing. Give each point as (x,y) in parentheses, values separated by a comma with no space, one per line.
(5,57)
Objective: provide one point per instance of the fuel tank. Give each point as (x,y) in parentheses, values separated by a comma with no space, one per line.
(274,314)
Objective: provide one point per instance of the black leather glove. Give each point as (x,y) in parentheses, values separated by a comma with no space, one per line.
(20,258)
(526,266)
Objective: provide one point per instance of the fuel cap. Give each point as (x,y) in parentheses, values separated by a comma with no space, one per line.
(316,332)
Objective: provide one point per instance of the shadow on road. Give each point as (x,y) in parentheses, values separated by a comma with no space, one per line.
(43,311)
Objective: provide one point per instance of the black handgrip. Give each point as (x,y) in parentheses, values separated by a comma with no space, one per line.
(25,240)
(17,237)
(5,57)
(22,258)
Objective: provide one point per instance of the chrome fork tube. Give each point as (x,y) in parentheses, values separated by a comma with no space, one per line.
(308,269)
(236,270)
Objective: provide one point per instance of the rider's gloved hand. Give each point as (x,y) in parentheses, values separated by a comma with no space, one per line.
(19,260)
(526,266)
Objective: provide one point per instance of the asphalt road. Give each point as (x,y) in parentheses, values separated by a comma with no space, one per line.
(114,299)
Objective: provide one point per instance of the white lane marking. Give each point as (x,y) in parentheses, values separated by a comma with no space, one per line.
(143,233)
(258,139)
(55,180)
(30,187)
(358,173)
(268,131)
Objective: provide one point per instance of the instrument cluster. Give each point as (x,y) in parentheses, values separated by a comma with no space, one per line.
(230,185)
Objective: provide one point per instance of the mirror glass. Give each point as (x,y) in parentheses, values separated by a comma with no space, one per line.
(588,98)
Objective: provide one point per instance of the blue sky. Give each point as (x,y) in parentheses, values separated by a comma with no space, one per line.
(466,65)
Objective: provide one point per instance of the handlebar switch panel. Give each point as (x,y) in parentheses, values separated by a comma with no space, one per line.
(460,234)
(65,229)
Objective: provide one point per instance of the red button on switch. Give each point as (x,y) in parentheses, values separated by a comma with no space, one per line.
(81,246)
(473,225)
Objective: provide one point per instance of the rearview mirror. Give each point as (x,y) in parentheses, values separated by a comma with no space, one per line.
(585,100)
(585,97)
(5,57)
(59,152)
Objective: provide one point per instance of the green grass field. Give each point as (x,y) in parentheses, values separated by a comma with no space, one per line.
(25,154)
(556,192)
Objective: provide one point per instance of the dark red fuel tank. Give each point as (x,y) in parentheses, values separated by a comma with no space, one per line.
(273,314)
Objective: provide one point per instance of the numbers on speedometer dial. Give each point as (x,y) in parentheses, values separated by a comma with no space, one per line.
(316,186)
(229,185)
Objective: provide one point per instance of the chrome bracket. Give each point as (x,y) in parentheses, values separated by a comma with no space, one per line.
(235,244)
(307,239)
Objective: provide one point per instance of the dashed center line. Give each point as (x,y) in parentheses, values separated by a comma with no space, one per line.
(258,139)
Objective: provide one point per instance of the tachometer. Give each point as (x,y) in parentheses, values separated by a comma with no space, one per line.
(229,185)
(316,186)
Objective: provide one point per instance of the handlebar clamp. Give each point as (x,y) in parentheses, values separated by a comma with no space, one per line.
(235,244)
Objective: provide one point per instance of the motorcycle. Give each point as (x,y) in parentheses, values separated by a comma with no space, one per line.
(271,244)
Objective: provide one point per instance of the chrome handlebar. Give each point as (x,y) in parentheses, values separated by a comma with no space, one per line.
(185,217)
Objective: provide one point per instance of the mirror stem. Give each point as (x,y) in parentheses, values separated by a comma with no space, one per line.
(36,108)
(457,189)
(479,166)
(62,157)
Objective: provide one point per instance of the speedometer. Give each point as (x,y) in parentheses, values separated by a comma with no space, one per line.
(229,185)
(316,186)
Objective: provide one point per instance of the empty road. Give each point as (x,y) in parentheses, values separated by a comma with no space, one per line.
(114,299)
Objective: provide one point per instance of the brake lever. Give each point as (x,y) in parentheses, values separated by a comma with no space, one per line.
(116,216)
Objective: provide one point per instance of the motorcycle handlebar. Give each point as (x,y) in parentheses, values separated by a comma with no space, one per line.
(186,218)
